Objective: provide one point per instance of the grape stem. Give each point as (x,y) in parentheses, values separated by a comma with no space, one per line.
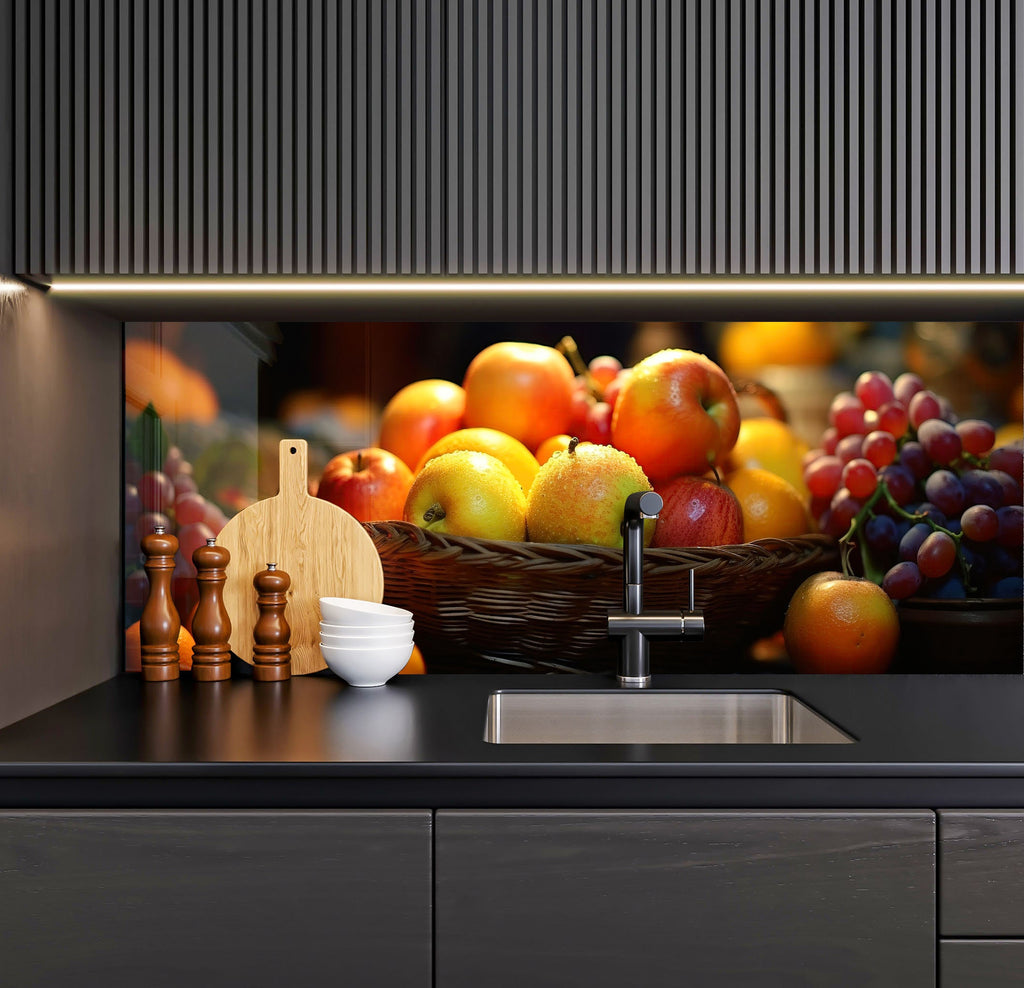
(871,569)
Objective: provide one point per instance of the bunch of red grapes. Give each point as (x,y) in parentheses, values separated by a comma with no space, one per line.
(168,497)
(920,498)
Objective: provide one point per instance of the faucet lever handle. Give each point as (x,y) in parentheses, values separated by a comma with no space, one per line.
(693,595)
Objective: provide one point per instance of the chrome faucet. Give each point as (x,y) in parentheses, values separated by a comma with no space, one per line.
(632,624)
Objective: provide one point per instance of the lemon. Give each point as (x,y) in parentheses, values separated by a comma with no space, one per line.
(772,507)
(771,445)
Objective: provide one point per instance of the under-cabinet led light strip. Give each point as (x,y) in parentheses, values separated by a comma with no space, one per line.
(554,285)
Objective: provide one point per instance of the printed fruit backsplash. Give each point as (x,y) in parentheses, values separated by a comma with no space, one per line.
(900,441)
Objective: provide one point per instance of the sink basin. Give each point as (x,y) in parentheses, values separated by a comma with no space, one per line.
(655,717)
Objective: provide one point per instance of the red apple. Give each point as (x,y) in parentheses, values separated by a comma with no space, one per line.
(371,484)
(676,414)
(697,512)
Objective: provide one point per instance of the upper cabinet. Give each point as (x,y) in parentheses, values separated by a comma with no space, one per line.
(555,137)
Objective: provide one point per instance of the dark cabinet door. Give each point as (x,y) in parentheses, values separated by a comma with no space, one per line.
(572,138)
(981,856)
(184,898)
(981,963)
(684,898)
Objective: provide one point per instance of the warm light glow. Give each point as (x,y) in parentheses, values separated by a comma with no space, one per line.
(10,287)
(554,285)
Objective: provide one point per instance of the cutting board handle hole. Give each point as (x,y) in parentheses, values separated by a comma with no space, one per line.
(293,450)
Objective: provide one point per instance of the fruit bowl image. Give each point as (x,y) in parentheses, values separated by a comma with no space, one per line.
(961,636)
(486,605)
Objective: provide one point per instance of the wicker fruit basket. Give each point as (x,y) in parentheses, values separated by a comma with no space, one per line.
(535,607)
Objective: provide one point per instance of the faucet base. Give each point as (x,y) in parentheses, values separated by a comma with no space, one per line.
(635,682)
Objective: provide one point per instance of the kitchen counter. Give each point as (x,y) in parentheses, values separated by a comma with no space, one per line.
(921,741)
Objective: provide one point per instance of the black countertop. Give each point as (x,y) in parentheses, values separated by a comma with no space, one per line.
(921,741)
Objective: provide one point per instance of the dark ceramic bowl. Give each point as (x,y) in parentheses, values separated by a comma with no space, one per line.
(983,635)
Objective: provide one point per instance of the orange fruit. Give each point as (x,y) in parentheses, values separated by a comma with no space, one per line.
(133,649)
(745,347)
(418,415)
(470,493)
(500,445)
(153,374)
(772,507)
(771,445)
(416,665)
(524,389)
(841,624)
(553,444)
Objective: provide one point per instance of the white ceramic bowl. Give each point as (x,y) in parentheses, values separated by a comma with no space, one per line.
(375,641)
(346,610)
(363,666)
(367,630)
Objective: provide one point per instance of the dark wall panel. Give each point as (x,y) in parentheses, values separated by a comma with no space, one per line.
(519,136)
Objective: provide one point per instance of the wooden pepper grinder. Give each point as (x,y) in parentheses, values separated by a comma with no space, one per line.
(271,651)
(211,626)
(159,625)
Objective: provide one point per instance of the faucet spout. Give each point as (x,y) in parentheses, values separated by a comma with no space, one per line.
(639,506)
(632,624)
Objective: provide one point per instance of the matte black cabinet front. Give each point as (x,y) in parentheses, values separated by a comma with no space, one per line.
(122,899)
(611,898)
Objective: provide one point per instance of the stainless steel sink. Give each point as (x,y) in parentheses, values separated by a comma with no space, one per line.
(655,717)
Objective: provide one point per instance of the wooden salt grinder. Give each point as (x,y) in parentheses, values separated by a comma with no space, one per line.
(159,625)
(271,651)
(211,626)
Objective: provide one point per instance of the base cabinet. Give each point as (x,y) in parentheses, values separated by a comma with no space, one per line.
(175,898)
(608,898)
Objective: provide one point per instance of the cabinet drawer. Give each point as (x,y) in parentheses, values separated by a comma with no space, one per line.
(981,963)
(981,873)
(167,899)
(665,898)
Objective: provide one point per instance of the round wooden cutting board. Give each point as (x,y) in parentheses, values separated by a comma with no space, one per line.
(324,550)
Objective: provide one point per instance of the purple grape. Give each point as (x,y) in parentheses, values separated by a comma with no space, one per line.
(951,588)
(947,412)
(880,535)
(980,487)
(944,490)
(844,507)
(1011,587)
(1011,525)
(902,581)
(900,483)
(1011,489)
(1002,562)
(849,447)
(940,441)
(915,459)
(936,556)
(906,386)
(911,542)
(929,510)
(980,523)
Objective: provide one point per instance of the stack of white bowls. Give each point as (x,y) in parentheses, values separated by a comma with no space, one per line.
(362,642)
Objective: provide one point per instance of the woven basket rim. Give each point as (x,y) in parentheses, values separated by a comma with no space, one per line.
(396,533)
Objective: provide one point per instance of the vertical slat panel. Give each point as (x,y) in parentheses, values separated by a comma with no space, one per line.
(1017,184)
(602,148)
(156,163)
(405,225)
(518,136)
(243,177)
